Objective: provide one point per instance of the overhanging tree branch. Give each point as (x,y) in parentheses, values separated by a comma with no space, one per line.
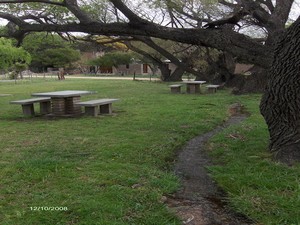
(133,18)
(16,20)
(32,1)
(148,41)
(72,5)
(237,44)
(233,42)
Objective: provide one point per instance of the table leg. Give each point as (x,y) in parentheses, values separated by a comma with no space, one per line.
(197,89)
(188,88)
(58,106)
(192,89)
(71,108)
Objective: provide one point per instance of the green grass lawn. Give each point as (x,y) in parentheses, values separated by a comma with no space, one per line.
(266,191)
(114,170)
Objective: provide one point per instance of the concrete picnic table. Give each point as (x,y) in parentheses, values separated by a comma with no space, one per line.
(63,102)
(193,87)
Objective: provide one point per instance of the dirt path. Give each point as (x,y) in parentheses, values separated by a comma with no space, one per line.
(200,201)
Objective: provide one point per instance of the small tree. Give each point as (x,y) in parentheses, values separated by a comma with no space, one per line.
(19,68)
(60,57)
(112,59)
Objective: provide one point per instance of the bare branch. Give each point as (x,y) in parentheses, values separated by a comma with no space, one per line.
(31,1)
(229,4)
(269,4)
(133,18)
(234,19)
(72,5)
(10,17)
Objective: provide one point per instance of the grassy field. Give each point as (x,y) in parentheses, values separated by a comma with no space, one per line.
(114,170)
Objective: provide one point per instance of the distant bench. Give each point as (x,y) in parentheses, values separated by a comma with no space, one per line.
(28,108)
(212,88)
(175,88)
(98,106)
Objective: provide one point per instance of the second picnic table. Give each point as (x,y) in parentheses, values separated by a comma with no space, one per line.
(63,102)
(193,87)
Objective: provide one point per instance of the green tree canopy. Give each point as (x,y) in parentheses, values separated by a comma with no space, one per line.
(49,51)
(11,55)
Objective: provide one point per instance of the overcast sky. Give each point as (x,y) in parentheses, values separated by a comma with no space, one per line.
(295,12)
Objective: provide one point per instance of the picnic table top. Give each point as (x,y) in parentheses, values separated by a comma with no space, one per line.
(63,94)
(194,82)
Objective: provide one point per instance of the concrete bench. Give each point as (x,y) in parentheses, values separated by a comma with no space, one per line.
(98,106)
(175,88)
(28,108)
(212,88)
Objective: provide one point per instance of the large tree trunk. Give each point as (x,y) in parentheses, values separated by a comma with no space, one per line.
(177,74)
(165,71)
(222,70)
(280,104)
(166,74)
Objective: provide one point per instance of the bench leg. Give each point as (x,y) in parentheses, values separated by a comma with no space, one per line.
(106,109)
(71,108)
(197,89)
(188,89)
(175,90)
(91,110)
(28,110)
(45,107)
(212,90)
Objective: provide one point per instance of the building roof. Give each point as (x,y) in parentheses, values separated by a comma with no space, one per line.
(242,68)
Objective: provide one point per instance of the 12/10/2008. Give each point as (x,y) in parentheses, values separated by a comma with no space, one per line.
(48,208)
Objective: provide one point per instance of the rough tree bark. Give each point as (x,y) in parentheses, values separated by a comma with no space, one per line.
(280,104)
(176,75)
(164,70)
(223,67)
